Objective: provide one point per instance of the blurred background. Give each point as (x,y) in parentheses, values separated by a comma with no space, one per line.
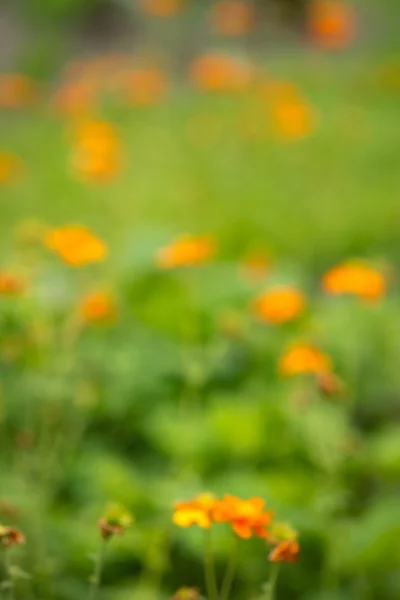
(268,131)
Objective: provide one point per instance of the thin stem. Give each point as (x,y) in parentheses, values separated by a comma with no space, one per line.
(95,579)
(270,593)
(209,567)
(7,585)
(230,570)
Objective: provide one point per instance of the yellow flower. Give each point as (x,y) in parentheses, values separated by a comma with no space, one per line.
(76,245)
(195,512)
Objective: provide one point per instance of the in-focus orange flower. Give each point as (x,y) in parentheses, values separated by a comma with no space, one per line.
(232,17)
(76,245)
(10,167)
(16,91)
(246,517)
(287,551)
(144,86)
(304,359)
(219,73)
(331,23)
(186,250)
(98,307)
(355,278)
(292,118)
(198,511)
(11,285)
(279,305)
(162,8)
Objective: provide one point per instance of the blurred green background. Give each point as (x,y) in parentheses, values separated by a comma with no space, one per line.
(181,394)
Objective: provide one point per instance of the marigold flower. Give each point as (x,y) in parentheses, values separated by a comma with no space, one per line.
(10,536)
(97,155)
(232,17)
(162,8)
(246,517)
(10,285)
(304,359)
(96,165)
(76,245)
(9,167)
(292,118)
(279,305)
(185,251)
(331,23)
(355,278)
(198,511)
(98,307)
(219,73)
(16,91)
(287,551)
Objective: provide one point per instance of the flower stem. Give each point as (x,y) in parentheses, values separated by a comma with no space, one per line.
(270,592)
(230,570)
(7,585)
(209,567)
(95,579)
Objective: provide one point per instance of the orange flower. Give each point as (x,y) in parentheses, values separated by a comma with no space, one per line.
(16,91)
(99,166)
(232,17)
(303,359)
(145,86)
(287,551)
(355,278)
(10,285)
(10,536)
(219,73)
(76,245)
(292,118)
(279,305)
(98,307)
(331,23)
(162,8)
(247,517)
(97,154)
(198,511)
(186,250)
(9,167)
